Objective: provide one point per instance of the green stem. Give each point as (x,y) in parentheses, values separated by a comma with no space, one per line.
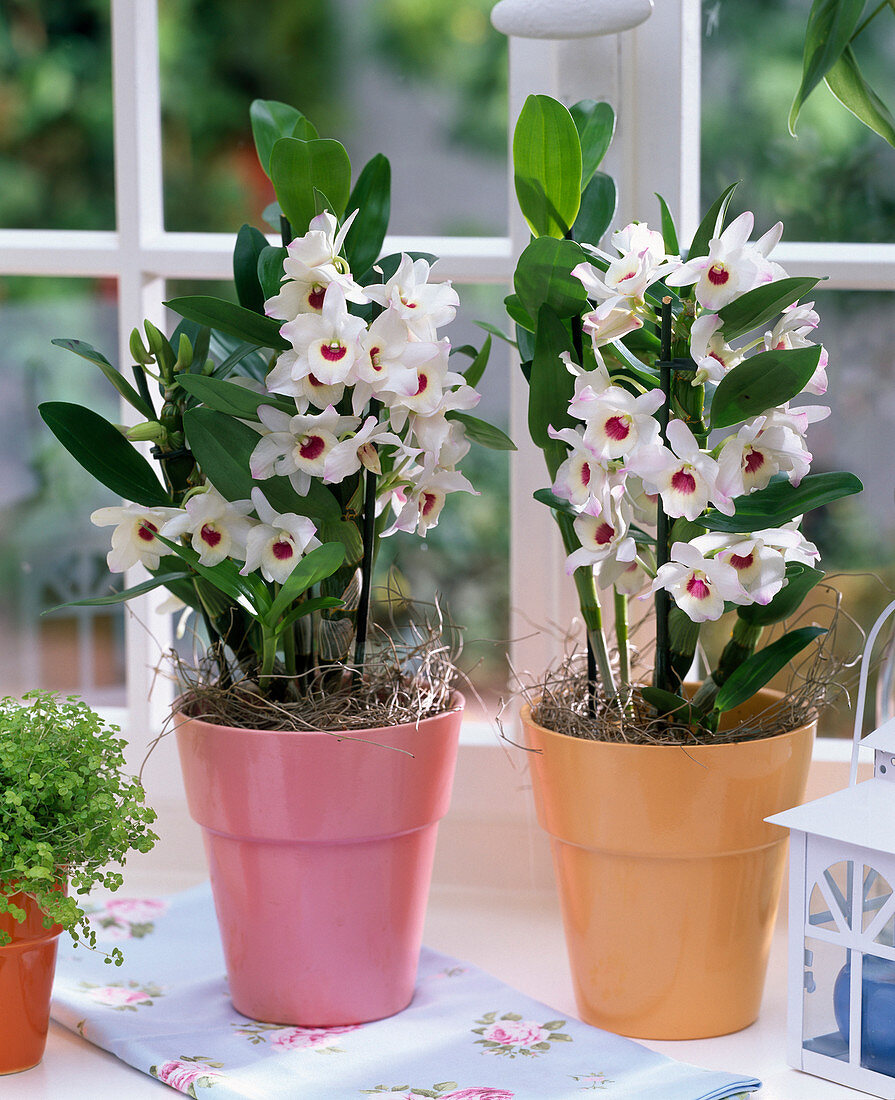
(872,16)
(740,648)
(621,634)
(268,659)
(590,606)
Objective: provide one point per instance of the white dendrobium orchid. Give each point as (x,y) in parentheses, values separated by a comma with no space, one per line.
(602,529)
(791,331)
(582,476)
(749,459)
(326,344)
(361,449)
(276,544)
(628,577)
(729,270)
(389,360)
(638,237)
(297,446)
(306,389)
(712,356)
(419,509)
(442,439)
(699,585)
(427,397)
(423,306)
(615,420)
(686,479)
(218,527)
(311,265)
(760,568)
(133,539)
(609,322)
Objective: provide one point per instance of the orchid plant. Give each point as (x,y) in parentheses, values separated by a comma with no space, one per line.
(661,392)
(293,429)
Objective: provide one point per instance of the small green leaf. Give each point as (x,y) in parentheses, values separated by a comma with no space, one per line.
(320,563)
(270,270)
(547,166)
(595,123)
(483,433)
(231,398)
(762,382)
(756,307)
(224,576)
(848,85)
(127,594)
(121,384)
(371,196)
(299,168)
(711,224)
(250,243)
(800,579)
(831,24)
(475,370)
(515,309)
(781,501)
(104,453)
(548,497)
(272,120)
(551,387)
(544,277)
(495,331)
(669,232)
(598,205)
(763,666)
(232,319)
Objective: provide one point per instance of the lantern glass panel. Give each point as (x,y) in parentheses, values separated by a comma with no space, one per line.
(824,963)
(886,936)
(877,892)
(877,1012)
(830,906)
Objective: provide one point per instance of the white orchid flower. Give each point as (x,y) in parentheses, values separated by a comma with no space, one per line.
(748,460)
(444,440)
(419,508)
(326,344)
(276,544)
(602,530)
(133,539)
(218,527)
(791,331)
(306,389)
(389,360)
(423,306)
(609,322)
(312,263)
(615,420)
(729,270)
(427,398)
(644,505)
(685,478)
(360,449)
(582,476)
(628,577)
(712,356)
(639,238)
(699,585)
(297,446)
(759,567)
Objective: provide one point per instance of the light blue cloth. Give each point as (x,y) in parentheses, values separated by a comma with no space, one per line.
(465,1036)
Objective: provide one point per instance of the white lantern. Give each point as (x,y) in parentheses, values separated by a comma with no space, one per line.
(842,920)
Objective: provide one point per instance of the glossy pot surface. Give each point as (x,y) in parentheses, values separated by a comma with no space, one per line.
(669,877)
(320,850)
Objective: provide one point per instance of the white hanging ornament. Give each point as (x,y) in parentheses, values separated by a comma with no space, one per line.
(568,18)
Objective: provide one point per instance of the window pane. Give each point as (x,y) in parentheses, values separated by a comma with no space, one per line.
(49,550)
(56,167)
(423,83)
(834,182)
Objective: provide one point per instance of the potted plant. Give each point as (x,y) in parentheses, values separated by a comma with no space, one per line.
(660,393)
(66,812)
(294,430)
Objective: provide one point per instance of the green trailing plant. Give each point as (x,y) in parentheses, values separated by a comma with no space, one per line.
(67,810)
(660,393)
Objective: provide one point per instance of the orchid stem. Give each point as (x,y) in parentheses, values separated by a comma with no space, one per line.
(662,671)
(366,582)
(621,634)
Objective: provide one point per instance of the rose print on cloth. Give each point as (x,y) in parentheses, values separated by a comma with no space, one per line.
(592,1082)
(447,1090)
(511,1035)
(127,918)
(122,996)
(323,1040)
(187,1073)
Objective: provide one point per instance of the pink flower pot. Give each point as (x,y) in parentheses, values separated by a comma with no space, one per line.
(320,850)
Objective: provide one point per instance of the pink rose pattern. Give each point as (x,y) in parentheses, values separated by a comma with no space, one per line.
(127,918)
(447,1090)
(511,1035)
(122,996)
(281,1039)
(592,1082)
(186,1073)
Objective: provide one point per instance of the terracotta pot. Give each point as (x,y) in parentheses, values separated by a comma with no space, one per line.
(669,877)
(320,850)
(27,966)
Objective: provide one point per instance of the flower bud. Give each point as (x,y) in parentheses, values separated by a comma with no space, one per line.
(161,349)
(184,354)
(149,432)
(138,350)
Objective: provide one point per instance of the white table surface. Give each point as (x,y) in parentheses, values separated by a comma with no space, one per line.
(517,938)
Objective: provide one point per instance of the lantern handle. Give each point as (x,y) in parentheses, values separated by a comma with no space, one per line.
(862,690)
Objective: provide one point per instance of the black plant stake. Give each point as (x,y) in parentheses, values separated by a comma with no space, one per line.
(662,672)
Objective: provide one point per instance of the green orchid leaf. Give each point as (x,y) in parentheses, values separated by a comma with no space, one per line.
(104,453)
(800,579)
(270,270)
(683,635)
(849,86)
(475,370)
(547,166)
(313,568)
(272,120)
(230,398)
(544,277)
(248,354)
(308,607)
(595,123)
(299,168)
(548,497)
(493,330)
(525,341)
(762,382)
(234,320)
(224,576)
(763,666)
(517,312)
(669,232)
(666,702)
(346,532)
(551,387)
(598,206)
(483,433)
(371,196)
(781,502)
(250,243)
(121,384)
(831,24)
(756,307)
(128,593)
(711,224)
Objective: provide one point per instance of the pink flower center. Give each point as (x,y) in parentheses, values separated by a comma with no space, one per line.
(617,428)
(752,461)
(283,549)
(697,587)
(404,302)
(741,563)
(718,275)
(374,358)
(315,298)
(147,531)
(585,474)
(332,353)
(311,447)
(423,384)
(629,275)
(210,535)
(427,503)
(683,482)
(603,534)
(313,380)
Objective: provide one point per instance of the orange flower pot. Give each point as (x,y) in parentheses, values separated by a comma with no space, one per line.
(669,877)
(27,966)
